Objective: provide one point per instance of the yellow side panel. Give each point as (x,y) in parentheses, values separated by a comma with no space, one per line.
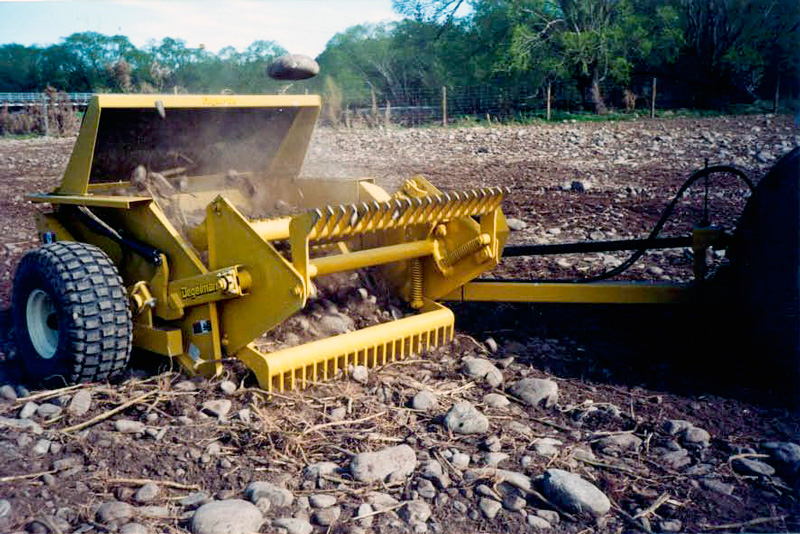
(276,290)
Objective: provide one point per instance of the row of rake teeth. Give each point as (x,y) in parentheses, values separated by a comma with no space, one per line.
(350,219)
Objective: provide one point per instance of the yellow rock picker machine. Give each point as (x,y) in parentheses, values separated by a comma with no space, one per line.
(181,227)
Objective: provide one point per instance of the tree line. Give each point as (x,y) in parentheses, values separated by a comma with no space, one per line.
(590,55)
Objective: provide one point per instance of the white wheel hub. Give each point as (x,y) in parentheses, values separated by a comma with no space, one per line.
(42,322)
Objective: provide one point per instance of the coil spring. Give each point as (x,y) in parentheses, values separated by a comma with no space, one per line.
(470,247)
(416,284)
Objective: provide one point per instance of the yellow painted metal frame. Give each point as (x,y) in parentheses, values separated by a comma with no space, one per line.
(201,311)
(569,293)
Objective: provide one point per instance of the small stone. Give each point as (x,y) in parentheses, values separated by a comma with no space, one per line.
(546,446)
(147,493)
(460,507)
(677,459)
(360,374)
(364,510)
(551,516)
(244,415)
(535,391)
(670,525)
(233,516)
(696,437)
(712,484)
(338,413)
(264,505)
(7,392)
(464,418)
(133,528)
(321,500)
(185,420)
(489,507)
(538,523)
(49,524)
(514,502)
(619,442)
(573,493)
(327,516)
(319,469)
(495,400)
(491,344)
(227,387)
(520,428)
(424,400)
(47,410)
(748,466)
(426,489)
(114,513)
(432,470)
(278,496)
(294,525)
(185,385)
(41,448)
(219,408)
(153,512)
(392,464)
(494,458)
(28,409)
(516,224)
(481,368)
(460,460)
(676,426)
(415,512)
(126,426)
(194,500)
(5,508)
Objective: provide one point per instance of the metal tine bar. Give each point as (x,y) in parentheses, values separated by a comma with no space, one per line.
(344,227)
(334,217)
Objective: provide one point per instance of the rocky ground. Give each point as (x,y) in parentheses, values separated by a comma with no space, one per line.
(536,418)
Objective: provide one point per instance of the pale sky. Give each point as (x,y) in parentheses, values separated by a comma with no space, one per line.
(300,26)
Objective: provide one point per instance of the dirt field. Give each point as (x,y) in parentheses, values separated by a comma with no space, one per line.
(625,376)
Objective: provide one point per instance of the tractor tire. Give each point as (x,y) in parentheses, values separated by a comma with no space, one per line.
(71,317)
(763,284)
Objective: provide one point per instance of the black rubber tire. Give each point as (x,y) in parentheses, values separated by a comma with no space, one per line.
(87,298)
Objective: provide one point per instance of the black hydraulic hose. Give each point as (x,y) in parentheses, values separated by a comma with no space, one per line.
(652,237)
(99,226)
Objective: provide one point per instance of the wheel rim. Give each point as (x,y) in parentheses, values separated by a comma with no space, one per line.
(42,322)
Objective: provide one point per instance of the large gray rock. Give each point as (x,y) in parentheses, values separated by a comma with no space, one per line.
(21,424)
(573,493)
(535,391)
(392,464)
(234,516)
(279,497)
(292,67)
(785,456)
(294,525)
(327,516)
(464,418)
(134,528)
(482,369)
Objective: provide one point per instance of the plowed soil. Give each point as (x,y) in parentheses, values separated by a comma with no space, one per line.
(619,369)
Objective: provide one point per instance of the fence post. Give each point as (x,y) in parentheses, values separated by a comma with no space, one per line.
(388,113)
(347,117)
(549,87)
(44,113)
(653,99)
(444,105)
